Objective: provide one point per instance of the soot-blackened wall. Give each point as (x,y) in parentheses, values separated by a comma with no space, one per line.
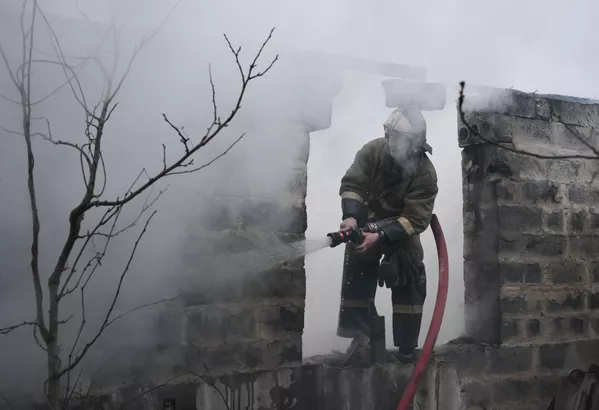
(531,224)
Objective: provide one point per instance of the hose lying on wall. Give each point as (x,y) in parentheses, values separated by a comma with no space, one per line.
(437,319)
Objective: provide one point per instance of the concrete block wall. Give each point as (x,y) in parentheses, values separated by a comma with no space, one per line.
(243,281)
(531,228)
(308,387)
(469,377)
(531,251)
(243,307)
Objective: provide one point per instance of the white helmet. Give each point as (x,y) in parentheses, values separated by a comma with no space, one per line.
(409,125)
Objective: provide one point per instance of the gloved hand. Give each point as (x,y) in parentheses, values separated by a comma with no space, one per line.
(370,241)
(348,224)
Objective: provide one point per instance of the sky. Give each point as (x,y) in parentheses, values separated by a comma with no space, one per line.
(543,46)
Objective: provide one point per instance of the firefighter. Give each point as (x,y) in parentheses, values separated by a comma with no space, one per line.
(391,177)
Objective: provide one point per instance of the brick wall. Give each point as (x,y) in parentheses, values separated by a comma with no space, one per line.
(241,311)
(531,225)
(531,252)
(469,377)
(244,309)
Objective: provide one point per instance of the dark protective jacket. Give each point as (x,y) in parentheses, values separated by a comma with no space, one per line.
(375,188)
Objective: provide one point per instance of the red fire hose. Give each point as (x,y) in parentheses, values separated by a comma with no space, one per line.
(433,331)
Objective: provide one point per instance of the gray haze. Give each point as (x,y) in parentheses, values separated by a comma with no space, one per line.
(541,45)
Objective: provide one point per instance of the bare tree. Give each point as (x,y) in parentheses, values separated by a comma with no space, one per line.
(73,269)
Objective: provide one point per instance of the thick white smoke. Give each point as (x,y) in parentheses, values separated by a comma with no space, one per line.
(537,45)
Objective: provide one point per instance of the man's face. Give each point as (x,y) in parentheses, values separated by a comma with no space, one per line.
(401,147)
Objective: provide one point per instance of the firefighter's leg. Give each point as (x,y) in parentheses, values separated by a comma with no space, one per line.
(357,295)
(408,301)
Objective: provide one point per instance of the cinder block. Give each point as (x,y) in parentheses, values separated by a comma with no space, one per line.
(274,320)
(476,394)
(530,131)
(245,356)
(218,324)
(520,218)
(584,246)
(594,221)
(517,304)
(586,194)
(578,325)
(594,271)
(578,221)
(523,245)
(522,167)
(556,326)
(274,217)
(574,113)
(541,192)
(563,170)
(565,301)
(508,191)
(543,109)
(577,139)
(593,299)
(218,286)
(519,300)
(533,327)
(554,221)
(567,271)
(469,360)
(298,184)
(519,272)
(584,353)
(546,246)
(510,359)
(553,356)
(509,330)
(568,327)
(511,391)
(282,282)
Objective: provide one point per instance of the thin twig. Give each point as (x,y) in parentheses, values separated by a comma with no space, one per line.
(106,322)
(8,329)
(222,154)
(209,136)
(140,307)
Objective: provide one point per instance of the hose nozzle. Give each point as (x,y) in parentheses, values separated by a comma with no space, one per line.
(354,235)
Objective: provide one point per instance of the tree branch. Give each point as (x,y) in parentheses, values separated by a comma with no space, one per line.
(107,320)
(222,154)
(8,329)
(212,132)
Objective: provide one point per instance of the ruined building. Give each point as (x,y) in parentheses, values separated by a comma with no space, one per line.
(531,269)
(531,229)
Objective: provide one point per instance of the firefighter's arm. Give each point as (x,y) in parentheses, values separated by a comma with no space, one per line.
(418,208)
(354,185)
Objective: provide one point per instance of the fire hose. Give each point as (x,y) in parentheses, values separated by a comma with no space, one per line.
(357,236)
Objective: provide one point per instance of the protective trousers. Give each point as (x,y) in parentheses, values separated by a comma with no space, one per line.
(358,290)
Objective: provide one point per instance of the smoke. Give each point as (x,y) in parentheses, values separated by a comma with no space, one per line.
(460,40)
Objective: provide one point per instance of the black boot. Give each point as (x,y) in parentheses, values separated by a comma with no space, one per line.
(407,356)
